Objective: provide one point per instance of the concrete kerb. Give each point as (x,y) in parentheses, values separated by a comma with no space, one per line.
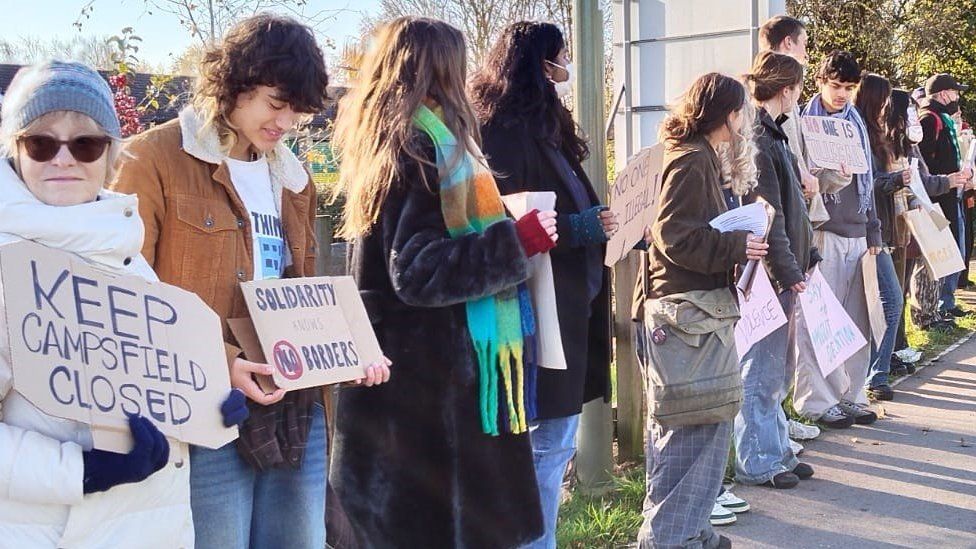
(959,342)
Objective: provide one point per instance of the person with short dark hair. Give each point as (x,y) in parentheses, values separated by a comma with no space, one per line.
(224,200)
(786,35)
(941,151)
(839,400)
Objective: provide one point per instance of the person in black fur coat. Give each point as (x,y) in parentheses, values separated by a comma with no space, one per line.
(412,466)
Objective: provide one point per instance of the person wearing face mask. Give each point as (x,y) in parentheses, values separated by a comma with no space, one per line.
(224,200)
(532,143)
(763,453)
(941,151)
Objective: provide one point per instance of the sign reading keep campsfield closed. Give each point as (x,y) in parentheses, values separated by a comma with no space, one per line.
(93,347)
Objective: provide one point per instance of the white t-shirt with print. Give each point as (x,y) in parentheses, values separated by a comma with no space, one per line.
(253,183)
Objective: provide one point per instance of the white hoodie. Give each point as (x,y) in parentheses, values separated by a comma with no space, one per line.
(41,467)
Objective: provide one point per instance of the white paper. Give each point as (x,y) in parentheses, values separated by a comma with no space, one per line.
(760,314)
(750,218)
(918,189)
(541,283)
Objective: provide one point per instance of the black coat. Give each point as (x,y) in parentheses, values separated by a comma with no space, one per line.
(411,465)
(790,238)
(939,153)
(524,162)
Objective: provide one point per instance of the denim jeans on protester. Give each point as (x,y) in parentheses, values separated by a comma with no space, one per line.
(553,445)
(951,283)
(761,430)
(237,507)
(893,302)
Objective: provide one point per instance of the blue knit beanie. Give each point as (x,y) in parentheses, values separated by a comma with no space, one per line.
(57,86)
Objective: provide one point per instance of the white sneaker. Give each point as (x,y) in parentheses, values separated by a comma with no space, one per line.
(909,355)
(721,516)
(802,431)
(731,502)
(796,447)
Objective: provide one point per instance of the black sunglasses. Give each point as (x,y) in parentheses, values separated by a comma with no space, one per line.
(84,148)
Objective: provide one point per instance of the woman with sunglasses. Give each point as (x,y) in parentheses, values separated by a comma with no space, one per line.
(59,139)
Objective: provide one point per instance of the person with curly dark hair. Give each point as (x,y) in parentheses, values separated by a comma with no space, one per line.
(224,201)
(531,141)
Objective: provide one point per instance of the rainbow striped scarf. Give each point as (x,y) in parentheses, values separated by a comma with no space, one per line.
(502,326)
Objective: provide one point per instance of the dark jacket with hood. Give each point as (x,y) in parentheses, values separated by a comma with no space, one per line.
(939,152)
(410,463)
(525,161)
(791,250)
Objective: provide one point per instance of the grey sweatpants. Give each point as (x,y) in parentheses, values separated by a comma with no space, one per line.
(814,394)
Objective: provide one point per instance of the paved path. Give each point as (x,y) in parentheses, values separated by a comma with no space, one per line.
(907,481)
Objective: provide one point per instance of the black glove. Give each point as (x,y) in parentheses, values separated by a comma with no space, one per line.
(234,409)
(104,470)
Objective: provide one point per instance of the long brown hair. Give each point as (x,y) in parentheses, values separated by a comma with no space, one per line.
(410,60)
(871,100)
(706,107)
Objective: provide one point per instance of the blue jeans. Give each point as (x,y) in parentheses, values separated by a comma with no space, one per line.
(893,302)
(237,507)
(951,282)
(553,445)
(761,431)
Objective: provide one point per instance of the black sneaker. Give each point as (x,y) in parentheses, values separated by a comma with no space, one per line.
(881,392)
(835,418)
(954,312)
(784,481)
(910,369)
(803,471)
(724,543)
(944,326)
(860,413)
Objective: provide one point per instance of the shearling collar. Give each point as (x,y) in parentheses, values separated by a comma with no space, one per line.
(203,143)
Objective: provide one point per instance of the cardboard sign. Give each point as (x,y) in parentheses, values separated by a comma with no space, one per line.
(633,198)
(761,313)
(834,141)
(834,335)
(918,189)
(541,284)
(940,252)
(92,347)
(872,295)
(313,331)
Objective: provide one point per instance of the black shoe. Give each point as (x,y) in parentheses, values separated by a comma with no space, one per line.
(836,418)
(910,369)
(881,392)
(724,543)
(954,312)
(803,471)
(784,481)
(944,326)
(898,368)
(860,413)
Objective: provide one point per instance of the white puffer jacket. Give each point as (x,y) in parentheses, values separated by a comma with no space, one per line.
(41,468)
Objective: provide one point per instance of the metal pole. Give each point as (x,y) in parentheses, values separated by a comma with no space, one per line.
(594,460)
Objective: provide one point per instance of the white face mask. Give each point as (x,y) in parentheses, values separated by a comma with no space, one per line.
(566,86)
(914,129)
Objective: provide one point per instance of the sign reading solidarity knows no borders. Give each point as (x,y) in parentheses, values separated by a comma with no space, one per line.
(313,331)
(92,347)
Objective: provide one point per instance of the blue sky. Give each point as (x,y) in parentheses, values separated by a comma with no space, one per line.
(161,33)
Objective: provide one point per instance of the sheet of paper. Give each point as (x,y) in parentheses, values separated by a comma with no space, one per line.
(834,335)
(918,189)
(761,314)
(750,218)
(542,285)
(872,294)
